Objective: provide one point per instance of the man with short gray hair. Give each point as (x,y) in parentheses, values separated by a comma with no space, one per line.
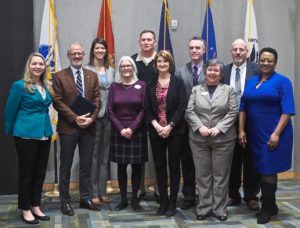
(236,75)
(75,129)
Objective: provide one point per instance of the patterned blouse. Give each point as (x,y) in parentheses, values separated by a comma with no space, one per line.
(161,96)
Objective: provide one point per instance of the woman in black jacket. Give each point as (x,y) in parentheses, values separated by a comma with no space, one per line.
(166,106)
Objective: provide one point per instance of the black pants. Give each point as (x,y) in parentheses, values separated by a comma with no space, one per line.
(242,158)
(68,143)
(135,180)
(188,171)
(164,150)
(33,159)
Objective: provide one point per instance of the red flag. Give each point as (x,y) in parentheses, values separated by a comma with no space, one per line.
(105,30)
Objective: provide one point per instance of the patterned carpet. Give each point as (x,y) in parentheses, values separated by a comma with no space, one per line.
(288,200)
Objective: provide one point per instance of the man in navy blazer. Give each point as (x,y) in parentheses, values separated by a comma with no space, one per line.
(75,129)
(242,156)
(191,74)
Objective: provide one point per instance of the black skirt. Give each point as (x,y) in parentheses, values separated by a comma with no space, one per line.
(129,151)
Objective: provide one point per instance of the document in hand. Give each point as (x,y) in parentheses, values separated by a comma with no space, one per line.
(82,106)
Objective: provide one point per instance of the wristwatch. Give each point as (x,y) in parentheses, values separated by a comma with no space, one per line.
(172,124)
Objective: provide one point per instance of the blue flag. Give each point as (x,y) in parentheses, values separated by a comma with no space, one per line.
(164,42)
(208,35)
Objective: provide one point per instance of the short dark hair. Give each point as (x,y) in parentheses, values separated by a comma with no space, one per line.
(213,62)
(198,38)
(166,55)
(98,41)
(271,50)
(148,31)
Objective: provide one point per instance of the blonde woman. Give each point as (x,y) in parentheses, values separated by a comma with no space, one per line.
(27,109)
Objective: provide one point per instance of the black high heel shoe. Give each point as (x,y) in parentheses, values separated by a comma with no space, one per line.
(31,222)
(43,218)
(121,206)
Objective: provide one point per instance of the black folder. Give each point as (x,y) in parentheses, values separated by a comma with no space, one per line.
(82,106)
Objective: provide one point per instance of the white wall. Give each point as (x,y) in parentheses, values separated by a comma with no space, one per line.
(278,27)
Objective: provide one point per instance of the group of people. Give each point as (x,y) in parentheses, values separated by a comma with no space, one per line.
(204,121)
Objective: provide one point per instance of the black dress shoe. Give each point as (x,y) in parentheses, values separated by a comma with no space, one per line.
(170,212)
(121,206)
(233,202)
(141,195)
(186,205)
(202,217)
(31,222)
(89,205)
(136,206)
(156,197)
(161,211)
(43,217)
(66,209)
(221,218)
(253,205)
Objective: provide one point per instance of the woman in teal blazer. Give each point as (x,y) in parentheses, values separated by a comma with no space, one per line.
(28,121)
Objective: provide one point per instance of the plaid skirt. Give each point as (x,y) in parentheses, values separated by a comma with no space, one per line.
(129,151)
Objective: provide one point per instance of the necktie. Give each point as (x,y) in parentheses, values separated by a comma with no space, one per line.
(79,83)
(238,89)
(195,76)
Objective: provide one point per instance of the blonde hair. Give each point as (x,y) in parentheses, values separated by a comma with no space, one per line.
(29,83)
(118,77)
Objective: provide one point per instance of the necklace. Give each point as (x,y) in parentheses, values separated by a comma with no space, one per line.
(127,86)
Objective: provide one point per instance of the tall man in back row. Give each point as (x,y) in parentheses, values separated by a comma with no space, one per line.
(192,75)
(236,75)
(144,61)
(75,129)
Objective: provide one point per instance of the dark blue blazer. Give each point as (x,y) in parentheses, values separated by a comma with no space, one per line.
(251,70)
(26,114)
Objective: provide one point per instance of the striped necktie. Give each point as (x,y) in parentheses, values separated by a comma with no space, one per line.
(79,83)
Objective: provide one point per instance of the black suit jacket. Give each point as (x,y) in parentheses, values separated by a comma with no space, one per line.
(176,104)
(251,70)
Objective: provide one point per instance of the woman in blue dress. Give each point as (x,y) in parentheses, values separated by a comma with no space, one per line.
(268,104)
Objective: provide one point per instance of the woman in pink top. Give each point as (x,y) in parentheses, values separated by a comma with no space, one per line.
(165,113)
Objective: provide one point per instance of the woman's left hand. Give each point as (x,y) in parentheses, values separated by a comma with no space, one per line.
(165,131)
(273,141)
(214,131)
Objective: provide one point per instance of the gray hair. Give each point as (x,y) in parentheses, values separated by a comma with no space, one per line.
(74,44)
(213,62)
(118,76)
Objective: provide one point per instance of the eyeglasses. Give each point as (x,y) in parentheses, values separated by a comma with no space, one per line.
(76,53)
(125,66)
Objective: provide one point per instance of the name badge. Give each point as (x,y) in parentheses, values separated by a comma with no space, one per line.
(137,86)
(204,93)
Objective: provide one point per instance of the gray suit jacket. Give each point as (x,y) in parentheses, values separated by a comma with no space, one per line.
(220,111)
(185,72)
(110,74)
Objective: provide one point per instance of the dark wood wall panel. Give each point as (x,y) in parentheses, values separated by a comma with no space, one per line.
(16,43)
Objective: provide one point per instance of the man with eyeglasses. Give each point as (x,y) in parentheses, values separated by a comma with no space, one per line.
(192,75)
(75,129)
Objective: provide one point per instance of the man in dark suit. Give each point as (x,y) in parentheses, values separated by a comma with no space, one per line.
(192,74)
(144,61)
(75,129)
(236,75)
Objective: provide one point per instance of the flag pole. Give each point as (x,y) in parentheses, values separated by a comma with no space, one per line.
(207,41)
(165,24)
(55,191)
